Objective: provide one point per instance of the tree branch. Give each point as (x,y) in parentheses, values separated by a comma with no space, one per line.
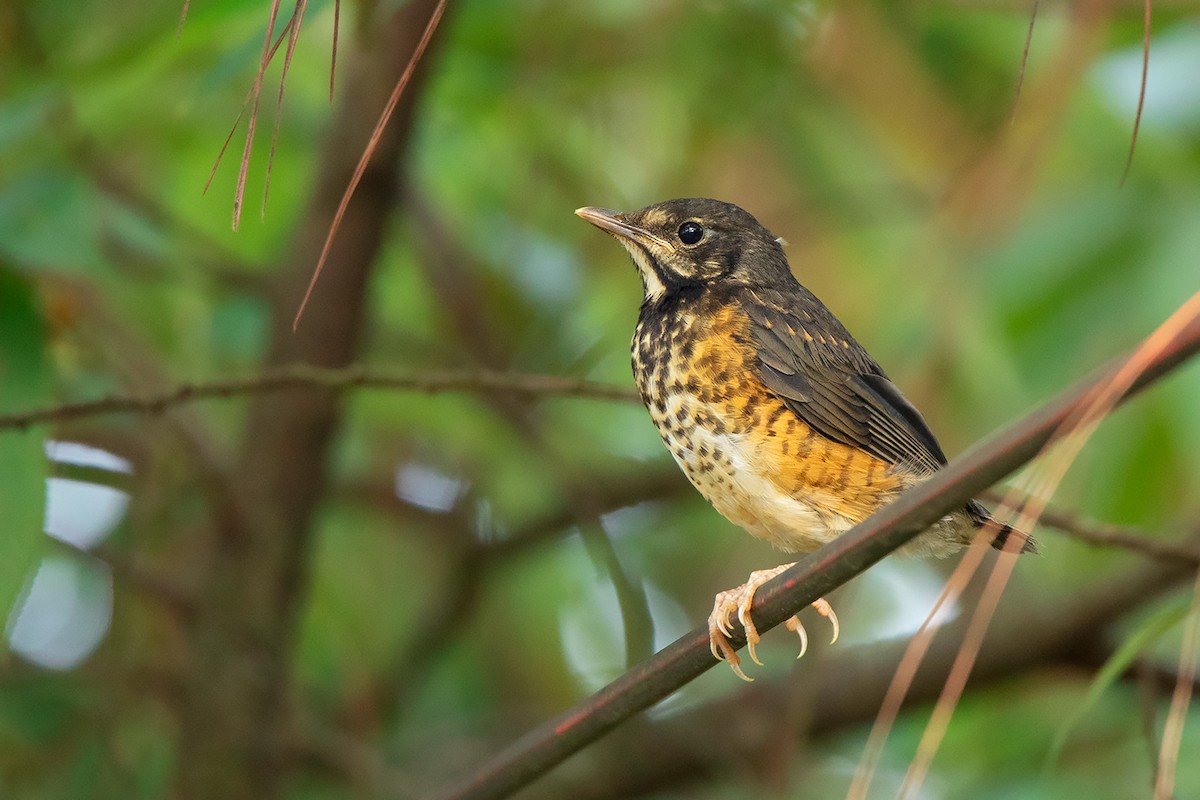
(304,376)
(1105,535)
(850,685)
(816,575)
(236,720)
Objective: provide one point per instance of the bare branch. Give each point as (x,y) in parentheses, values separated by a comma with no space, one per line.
(1105,535)
(302,376)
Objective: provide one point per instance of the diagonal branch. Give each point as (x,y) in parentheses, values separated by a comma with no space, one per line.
(809,579)
(849,686)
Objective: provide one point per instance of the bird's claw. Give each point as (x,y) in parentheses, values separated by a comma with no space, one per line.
(752,637)
(794,624)
(720,627)
(825,610)
(740,601)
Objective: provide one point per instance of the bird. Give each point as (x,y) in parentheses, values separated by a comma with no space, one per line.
(772,409)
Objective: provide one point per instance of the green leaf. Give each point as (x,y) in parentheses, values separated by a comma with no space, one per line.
(1141,640)
(24,383)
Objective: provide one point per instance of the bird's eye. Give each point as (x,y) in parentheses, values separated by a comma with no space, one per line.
(691,232)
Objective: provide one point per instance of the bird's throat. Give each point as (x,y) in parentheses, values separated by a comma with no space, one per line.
(654,282)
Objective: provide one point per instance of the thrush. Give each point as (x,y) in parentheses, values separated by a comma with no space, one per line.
(775,413)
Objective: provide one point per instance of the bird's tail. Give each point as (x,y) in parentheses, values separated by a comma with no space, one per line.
(982,516)
(1001,537)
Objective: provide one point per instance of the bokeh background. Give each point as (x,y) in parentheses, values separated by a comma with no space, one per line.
(361,593)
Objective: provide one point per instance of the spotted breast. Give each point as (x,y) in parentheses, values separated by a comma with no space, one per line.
(739,445)
(737,441)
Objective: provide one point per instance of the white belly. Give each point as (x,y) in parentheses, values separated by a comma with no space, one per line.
(723,467)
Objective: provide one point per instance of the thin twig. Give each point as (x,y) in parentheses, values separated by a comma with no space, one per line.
(96,476)
(239,192)
(293,38)
(369,151)
(337,14)
(241,113)
(308,377)
(1106,535)
(1137,119)
(811,577)
(182,18)
(1024,63)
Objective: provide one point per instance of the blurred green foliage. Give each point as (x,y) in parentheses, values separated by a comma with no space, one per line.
(986,258)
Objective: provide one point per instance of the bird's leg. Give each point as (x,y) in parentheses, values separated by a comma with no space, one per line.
(739,601)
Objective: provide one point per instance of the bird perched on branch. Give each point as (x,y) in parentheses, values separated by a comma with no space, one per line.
(768,404)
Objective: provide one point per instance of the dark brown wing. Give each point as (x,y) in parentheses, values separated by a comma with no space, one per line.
(809,359)
(828,380)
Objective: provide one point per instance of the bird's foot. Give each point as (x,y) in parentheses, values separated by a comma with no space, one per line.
(825,610)
(739,601)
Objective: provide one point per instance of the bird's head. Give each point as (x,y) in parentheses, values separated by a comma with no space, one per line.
(694,242)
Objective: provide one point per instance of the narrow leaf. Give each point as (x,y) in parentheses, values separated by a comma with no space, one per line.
(24,381)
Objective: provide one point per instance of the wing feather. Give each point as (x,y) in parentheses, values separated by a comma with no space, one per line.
(831,383)
(827,379)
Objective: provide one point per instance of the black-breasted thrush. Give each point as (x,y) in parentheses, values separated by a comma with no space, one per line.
(768,404)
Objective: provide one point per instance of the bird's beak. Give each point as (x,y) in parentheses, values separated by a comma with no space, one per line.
(613,222)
